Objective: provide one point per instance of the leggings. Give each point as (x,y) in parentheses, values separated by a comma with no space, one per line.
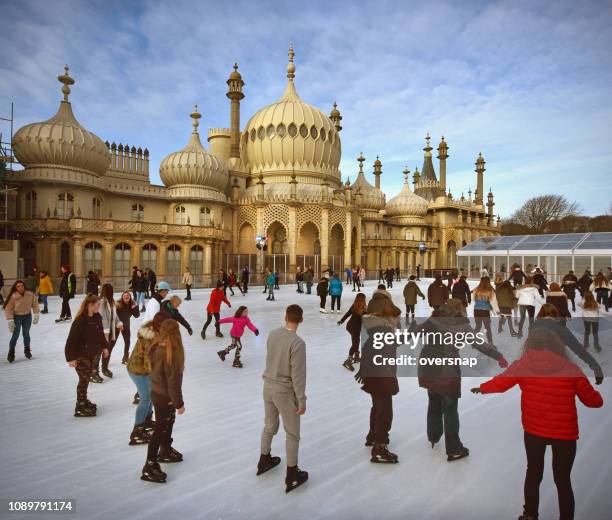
(323,298)
(164,422)
(481,318)
(564,453)
(126,340)
(209,318)
(530,310)
(355,340)
(335,300)
(410,308)
(356,284)
(236,344)
(83,370)
(591,326)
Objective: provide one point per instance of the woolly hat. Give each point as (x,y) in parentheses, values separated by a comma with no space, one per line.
(381,305)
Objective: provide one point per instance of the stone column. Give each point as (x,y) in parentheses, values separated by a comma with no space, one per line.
(53,257)
(358,240)
(324,238)
(348,240)
(137,252)
(162,253)
(78,257)
(185,250)
(235,231)
(207,267)
(107,259)
(292,238)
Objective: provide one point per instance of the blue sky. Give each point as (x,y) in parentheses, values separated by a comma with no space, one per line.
(527,83)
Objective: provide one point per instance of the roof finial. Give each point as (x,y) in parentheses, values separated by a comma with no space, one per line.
(195,115)
(361,159)
(66,80)
(406,172)
(427,138)
(291,65)
(236,66)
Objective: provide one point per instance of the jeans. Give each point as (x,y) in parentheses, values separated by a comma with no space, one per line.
(140,299)
(563,453)
(530,310)
(410,308)
(308,287)
(125,332)
(381,418)
(188,287)
(66,307)
(356,285)
(482,317)
(23,322)
(335,300)
(45,301)
(443,417)
(164,422)
(143,385)
(270,292)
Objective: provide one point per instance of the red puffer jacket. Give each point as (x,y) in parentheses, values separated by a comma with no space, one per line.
(549,384)
(216,297)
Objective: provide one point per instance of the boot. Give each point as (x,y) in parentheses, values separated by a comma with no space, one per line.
(266,463)
(356,357)
(203,334)
(59,320)
(81,410)
(27,352)
(45,311)
(151,472)
(525,516)
(456,456)
(237,363)
(348,364)
(11,355)
(139,435)
(90,405)
(295,477)
(105,369)
(136,398)
(125,359)
(218,334)
(381,454)
(222,354)
(149,424)
(169,455)
(95,377)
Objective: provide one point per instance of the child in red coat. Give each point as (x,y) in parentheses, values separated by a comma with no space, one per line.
(239,322)
(217,296)
(549,383)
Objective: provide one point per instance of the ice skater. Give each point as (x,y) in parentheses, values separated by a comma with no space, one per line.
(335,291)
(21,310)
(217,297)
(112,326)
(171,307)
(67,291)
(127,309)
(239,322)
(322,290)
(353,327)
(411,291)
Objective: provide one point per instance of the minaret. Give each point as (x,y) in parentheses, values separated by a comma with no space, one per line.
(442,156)
(480,169)
(234,93)
(416,177)
(490,204)
(377,172)
(335,117)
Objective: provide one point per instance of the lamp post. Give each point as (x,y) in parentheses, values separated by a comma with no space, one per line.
(262,246)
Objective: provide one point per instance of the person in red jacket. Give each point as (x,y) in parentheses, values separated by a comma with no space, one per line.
(549,383)
(217,296)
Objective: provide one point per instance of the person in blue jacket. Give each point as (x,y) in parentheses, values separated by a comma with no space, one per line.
(335,291)
(271,282)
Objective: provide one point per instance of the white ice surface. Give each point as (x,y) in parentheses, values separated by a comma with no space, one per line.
(47,453)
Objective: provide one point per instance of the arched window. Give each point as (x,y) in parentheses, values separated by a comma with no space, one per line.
(65,205)
(137,212)
(122,259)
(173,260)
(28,253)
(96,207)
(149,256)
(30,204)
(196,259)
(180,215)
(65,253)
(205,216)
(92,256)
(279,242)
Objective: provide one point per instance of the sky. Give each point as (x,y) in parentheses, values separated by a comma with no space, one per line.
(527,83)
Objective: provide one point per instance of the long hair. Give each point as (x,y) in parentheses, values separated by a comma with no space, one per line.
(121,304)
(484,290)
(239,311)
(106,292)
(544,339)
(170,335)
(359,305)
(12,291)
(548,310)
(589,301)
(600,280)
(89,299)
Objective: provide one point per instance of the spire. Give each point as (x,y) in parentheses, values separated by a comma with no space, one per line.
(291,65)
(335,117)
(290,92)
(361,159)
(406,173)
(66,80)
(377,172)
(195,115)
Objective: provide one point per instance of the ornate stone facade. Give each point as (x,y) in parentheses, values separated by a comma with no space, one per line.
(91,204)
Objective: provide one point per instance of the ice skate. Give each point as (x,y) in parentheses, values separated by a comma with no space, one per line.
(81,410)
(107,372)
(90,405)
(348,364)
(125,359)
(149,424)
(27,352)
(95,378)
(456,456)
(136,398)
(203,334)
(218,334)
(266,463)
(381,454)
(221,354)
(59,320)
(169,455)
(237,363)
(139,436)
(151,472)
(356,357)
(295,478)
(11,355)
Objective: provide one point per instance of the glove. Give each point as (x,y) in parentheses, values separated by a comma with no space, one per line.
(11,325)
(256,332)
(476,390)
(359,377)
(599,380)
(190,331)
(502,362)
(36,318)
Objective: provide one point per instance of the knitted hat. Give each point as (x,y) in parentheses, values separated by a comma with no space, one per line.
(381,304)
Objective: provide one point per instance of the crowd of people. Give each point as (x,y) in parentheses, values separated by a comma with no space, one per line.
(156,362)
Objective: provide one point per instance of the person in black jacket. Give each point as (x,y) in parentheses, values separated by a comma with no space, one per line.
(126,308)
(354,315)
(461,291)
(322,291)
(139,287)
(66,292)
(92,283)
(152,278)
(517,276)
(167,358)
(244,278)
(568,286)
(171,306)
(85,341)
(540,280)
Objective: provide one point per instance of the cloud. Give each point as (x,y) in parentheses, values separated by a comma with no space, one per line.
(527,83)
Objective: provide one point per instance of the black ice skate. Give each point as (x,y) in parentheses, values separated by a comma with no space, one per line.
(95,378)
(136,398)
(266,463)
(295,478)
(348,364)
(107,372)
(81,410)
(27,352)
(139,435)
(151,472)
(149,424)
(90,405)
(218,334)
(169,455)
(222,354)
(11,355)
(59,320)
(203,334)
(356,357)
(237,363)
(381,454)
(125,359)
(456,456)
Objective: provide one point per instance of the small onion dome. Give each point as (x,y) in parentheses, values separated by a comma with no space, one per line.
(406,203)
(371,197)
(61,141)
(193,165)
(235,74)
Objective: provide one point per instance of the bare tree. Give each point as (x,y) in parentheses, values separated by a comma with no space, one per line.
(539,212)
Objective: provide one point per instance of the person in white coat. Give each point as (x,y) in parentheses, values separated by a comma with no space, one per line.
(188,282)
(154,306)
(528,295)
(111,325)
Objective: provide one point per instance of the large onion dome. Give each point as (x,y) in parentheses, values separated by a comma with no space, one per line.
(61,141)
(372,198)
(291,136)
(406,203)
(193,165)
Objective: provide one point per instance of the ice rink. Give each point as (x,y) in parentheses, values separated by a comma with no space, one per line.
(47,453)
